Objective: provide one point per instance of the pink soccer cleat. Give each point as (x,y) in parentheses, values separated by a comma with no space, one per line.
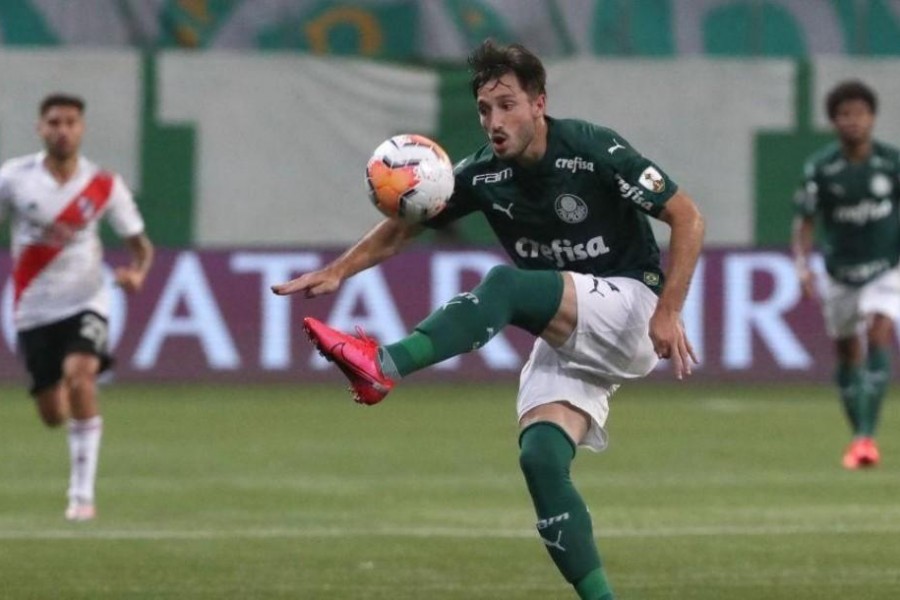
(357,357)
(862,453)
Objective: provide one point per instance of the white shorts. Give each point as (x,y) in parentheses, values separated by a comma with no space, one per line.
(610,344)
(847,308)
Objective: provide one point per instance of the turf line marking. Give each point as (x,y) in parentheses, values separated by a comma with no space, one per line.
(85,531)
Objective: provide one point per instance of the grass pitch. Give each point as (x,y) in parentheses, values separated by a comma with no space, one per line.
(718,493)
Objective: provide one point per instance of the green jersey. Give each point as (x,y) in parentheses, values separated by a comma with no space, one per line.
(582,207)
(857,204)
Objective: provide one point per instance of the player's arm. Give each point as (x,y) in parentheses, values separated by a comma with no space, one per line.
(685,242)
(131,278)
(381,242)
(659,197)
(806,205)
(802,235)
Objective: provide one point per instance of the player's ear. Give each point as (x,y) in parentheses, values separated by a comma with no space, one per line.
(539,105)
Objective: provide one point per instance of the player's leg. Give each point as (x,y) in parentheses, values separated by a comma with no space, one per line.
(842,312)
(507,296)
(878,370)
(601,335)
(850,379)
(85,358)
(875,374)
(52,405)
(549,435)
(41,349)
(877,304)
(85,432)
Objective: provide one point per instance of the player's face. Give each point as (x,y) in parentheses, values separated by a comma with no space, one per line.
(61,128)
(853,121)
(509,117)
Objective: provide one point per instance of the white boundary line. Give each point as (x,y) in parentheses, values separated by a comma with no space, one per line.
(83,531)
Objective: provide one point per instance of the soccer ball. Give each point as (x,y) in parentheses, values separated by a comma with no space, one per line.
(410,177)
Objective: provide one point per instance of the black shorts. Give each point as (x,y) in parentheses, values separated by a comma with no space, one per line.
(45,347)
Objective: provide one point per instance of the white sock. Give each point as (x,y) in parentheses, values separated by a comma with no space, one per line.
(84,450)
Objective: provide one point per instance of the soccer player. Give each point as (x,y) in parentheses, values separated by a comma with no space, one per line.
(852,186)
(568,200)
(56,199)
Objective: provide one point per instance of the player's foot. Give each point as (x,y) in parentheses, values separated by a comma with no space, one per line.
(80,511)
(357,357)
(862,453)
(869,455)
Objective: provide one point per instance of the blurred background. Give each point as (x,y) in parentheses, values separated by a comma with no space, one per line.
(244,126)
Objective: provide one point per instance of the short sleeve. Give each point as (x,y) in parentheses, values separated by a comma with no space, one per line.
(638,179)
(460,204)
(122,213)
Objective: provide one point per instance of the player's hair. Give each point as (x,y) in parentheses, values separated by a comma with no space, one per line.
(491,61)
(850,90)
(59,99)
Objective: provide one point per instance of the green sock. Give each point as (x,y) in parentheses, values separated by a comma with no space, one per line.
(506,296)
(594,587)
(850,382)
(878,373)
(564,522)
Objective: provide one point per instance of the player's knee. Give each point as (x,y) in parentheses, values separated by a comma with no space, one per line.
(80,382)
(539,457)
(537,465)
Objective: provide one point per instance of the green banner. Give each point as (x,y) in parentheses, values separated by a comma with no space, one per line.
(445,30)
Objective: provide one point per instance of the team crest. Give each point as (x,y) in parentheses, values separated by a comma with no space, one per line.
(880,185)
(571,208)
(86,208)
(652,180)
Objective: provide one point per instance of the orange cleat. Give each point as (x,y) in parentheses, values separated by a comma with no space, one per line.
(862,453)
(357,357)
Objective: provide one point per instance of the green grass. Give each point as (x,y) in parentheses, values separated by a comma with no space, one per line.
(718,493)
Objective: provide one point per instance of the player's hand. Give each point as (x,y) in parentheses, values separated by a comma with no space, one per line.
(130,279)
(316,283)
(807,283)
(670,341)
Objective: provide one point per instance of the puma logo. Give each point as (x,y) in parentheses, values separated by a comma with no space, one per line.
(617,146)
(596,289)
(507,210)
(460,298)
(555,544)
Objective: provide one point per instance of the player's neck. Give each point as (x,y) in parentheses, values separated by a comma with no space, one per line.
(62,169)
(857,153)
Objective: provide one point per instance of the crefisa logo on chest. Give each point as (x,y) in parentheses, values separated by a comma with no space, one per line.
(570,208)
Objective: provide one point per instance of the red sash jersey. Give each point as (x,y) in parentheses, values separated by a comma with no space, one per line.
(54,277)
